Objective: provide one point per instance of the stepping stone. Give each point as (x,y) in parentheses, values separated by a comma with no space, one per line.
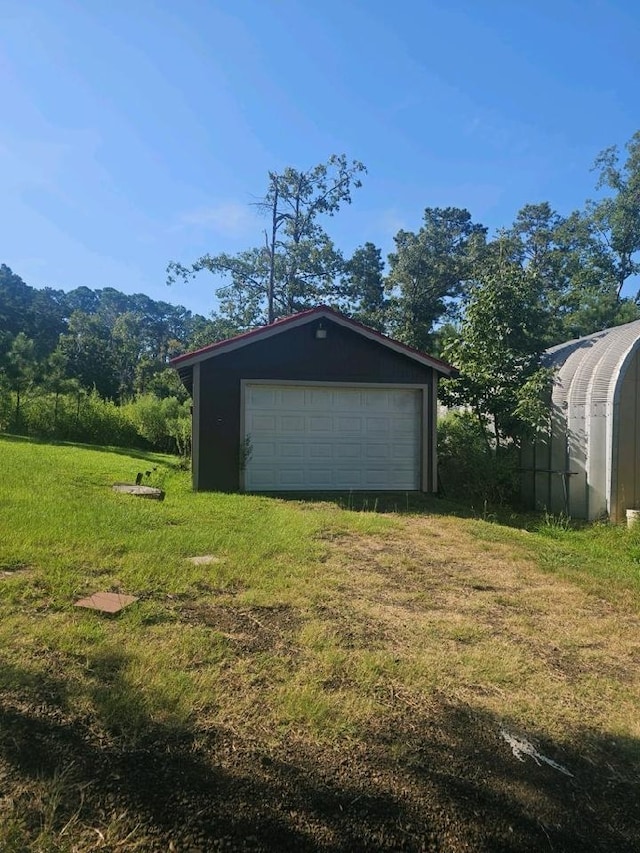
(139,491)
(106,602)
(205,560)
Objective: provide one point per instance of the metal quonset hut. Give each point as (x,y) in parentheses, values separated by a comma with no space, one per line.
(315,401)
(589,465)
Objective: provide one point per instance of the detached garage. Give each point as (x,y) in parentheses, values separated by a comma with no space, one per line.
(314,402)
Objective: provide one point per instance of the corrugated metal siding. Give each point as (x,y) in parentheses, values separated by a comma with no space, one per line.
(595,424)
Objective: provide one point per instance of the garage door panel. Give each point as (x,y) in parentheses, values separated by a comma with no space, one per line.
(377,478)
(346,399)
(318,399)
(320,423)
(401,452)
(261,397)
(402,427)
(262,423)
(320,478)
(263,477)
(291,451)
(404,401)
(377,451)
(292,423)
(344,424)
(292,398)
(347,451)
(332,438)
(378,426)
(263,449)
(290,477)
(320,451)
(375,401)
(348,478)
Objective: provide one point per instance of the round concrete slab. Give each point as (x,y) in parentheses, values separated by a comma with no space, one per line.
(139,491)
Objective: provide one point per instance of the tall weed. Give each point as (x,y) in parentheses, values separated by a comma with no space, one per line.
(148,422)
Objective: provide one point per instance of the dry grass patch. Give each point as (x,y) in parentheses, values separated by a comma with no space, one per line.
(480,621)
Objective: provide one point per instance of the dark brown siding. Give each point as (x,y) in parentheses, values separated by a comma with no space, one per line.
(344,356)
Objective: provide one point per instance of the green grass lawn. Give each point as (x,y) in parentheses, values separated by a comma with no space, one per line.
(319,623)
(65,535)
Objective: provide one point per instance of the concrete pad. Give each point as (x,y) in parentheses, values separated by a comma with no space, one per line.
(139,491)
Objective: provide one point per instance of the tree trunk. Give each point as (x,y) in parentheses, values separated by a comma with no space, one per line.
(272,251)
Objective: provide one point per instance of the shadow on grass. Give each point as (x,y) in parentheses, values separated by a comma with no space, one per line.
(411,503)
(437,779)
(134,452)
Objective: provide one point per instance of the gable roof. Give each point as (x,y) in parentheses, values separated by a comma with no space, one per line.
(303,317)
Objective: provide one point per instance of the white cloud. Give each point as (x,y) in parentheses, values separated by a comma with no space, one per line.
(228,218)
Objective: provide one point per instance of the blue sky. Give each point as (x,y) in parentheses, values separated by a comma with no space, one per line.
(136,132)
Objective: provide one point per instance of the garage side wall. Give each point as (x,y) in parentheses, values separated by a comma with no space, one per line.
(294,355)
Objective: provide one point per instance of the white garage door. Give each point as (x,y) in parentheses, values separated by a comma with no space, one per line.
(332,437)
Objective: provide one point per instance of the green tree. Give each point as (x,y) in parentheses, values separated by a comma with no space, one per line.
(497,349)
(46,320)
(427,272)
(576,286)
(126,335)
(56,380)
(203,331)
(82,299)
(616,218)
(88,349)
(20,369)
(15,302)
(363,286)
(298,266)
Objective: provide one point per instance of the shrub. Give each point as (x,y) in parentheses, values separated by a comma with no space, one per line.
(166,424)
(148,422)
(78,417)
(469,468)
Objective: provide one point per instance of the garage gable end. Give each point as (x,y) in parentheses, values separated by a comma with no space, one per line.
(313,402)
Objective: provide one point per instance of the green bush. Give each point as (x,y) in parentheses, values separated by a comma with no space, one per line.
(77,417)
(148,422)
(166,424)
(469,467)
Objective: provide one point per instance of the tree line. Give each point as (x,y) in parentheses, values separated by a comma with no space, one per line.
(63,355)
(489,303)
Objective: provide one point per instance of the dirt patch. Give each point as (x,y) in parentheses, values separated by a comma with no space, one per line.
(249,629)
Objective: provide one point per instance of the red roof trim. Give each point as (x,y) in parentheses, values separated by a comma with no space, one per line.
(321,311)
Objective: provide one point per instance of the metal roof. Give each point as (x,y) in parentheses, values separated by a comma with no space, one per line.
(588,369)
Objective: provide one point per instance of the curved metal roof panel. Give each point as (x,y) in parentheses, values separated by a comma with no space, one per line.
(588,368)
